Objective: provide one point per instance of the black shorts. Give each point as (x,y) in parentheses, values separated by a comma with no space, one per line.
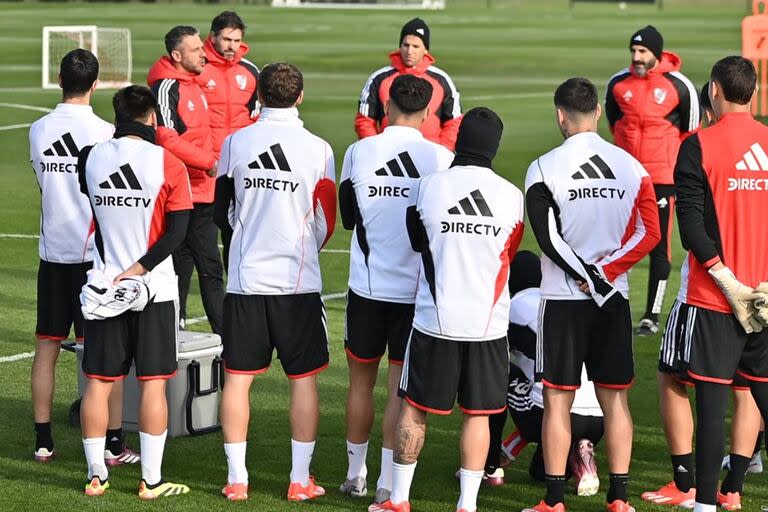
(294,325)
(674,344)
(58,299)
(146,337)
(702,344)
(373,326)
(437,371)
(573,333)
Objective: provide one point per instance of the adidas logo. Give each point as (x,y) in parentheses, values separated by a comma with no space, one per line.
(471,205)
(595,169)
(123,179)
(116,180)
(275,161)
(58,149)
(627,96)
(395,168)
(211,84)
(638,37)
(681,469)
(754,160)
(662,202)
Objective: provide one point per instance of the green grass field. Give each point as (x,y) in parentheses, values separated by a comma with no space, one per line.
(509,58)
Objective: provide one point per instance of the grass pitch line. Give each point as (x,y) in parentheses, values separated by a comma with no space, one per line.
(21,106)
(17,357)
(18,235)
(14,127)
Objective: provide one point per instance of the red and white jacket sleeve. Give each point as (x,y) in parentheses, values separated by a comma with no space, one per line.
(642,235)
(324,201)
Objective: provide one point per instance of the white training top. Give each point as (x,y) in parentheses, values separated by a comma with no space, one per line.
(592,191)
(524,310)
(132,184)
(472,220)
(285,204)
(55,141)
(383,172)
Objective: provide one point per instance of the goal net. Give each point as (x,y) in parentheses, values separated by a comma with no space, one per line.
(363,4)
(112,46)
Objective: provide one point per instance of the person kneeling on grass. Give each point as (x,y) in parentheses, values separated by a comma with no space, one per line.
(525,399)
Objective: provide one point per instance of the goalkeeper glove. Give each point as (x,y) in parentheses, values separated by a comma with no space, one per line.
(740,297)
(761,303)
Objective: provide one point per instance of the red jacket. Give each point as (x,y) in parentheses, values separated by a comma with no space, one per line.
(649,116)
(441,126)
(184,124)
(230,88)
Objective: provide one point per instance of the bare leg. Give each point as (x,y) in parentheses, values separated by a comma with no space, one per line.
(676,415)
(44,378)
(360,411)
(618,428)
(235,407)
(556,429)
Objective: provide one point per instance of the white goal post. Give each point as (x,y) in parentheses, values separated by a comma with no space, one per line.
(362,4)
(112,46)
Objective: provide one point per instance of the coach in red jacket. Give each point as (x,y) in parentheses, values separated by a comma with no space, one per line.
(184,129)
(413,57)
(229,81)
(651,107)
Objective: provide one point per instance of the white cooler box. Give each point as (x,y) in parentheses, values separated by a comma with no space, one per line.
(193,393)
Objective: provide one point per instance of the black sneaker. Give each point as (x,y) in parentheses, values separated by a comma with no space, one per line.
(647,327)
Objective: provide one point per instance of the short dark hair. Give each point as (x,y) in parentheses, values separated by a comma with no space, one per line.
(78,71)
(280,85)
(227,19)
(410,93)
(176,34)
(576,95)
(133,103)
(704,100)
(737,78)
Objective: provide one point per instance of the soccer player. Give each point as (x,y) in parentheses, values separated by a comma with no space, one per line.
(66,243)
(229,81)
(677,417)
(140,196)
(524,396)
(281,179)
(184,129)
(651,107)
(412,58)
(379,178)
(592,208)
(717,193)
(466,223)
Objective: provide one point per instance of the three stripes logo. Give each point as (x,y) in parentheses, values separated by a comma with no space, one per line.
(754,160)
(471,205)
(275,161)
(595,169)
(399,168)
(122,181)
(68,148)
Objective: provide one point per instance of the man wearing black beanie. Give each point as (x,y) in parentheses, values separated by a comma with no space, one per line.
(466,223)
(411,58)
(651,106)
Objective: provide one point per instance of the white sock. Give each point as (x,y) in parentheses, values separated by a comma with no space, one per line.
(94,457)
(700,507)
(385,477)
(237,472)
(402,476)
(356,454)
(152,448)
(301,457)
(470,485)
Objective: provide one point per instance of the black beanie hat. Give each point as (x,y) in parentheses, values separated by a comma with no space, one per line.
(416,27)
(524,272)
(650,38)
(478,138)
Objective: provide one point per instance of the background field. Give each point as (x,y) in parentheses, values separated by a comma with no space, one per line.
(509,58)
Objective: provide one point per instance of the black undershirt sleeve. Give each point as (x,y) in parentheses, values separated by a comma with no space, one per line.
(82,158)
(175,230)
(523,339)
(225,193)
(691,190)
(347,202)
